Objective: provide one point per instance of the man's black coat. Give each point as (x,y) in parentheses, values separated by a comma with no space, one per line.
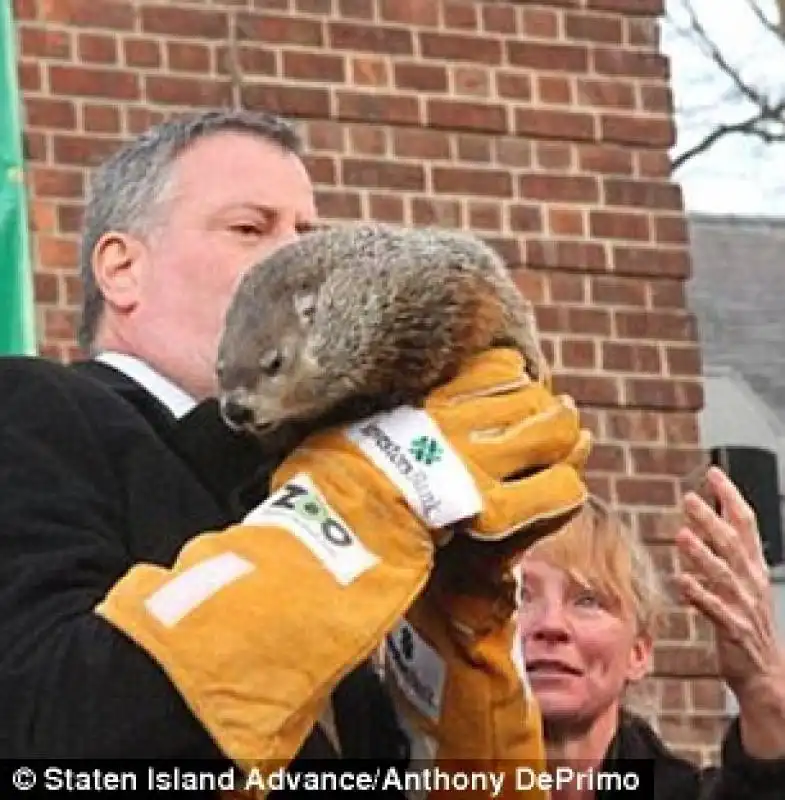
(96,475)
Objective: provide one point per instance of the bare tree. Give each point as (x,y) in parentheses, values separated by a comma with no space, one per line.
(749,97)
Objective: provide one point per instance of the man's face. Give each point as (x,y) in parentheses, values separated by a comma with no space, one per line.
(234,198)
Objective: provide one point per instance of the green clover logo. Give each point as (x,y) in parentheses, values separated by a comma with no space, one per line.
(426,450)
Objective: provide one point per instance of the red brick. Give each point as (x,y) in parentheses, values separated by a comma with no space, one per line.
(652,132)
(555,57)
(325,135)
(376,107)
(657,99)
(36,146)
(642,32)
(192,22)
(619,225)
(101,119)
(60,324)
(188,57)
(321,168)
(554,156)
(97,49)
(623,357)
(540,23)
(512,151)
(251,60)
(423,77)
(434,211)
(670,326)
(46,288)
(29,75)
(369,70)
(487,182)
(653,164)
(471,81)
(371,38)
(567,288)
(42,112)
(460,48)
(386,208)
(338,204)
(56,182)
(595,28)
(606,93)
(553,90)
(663,394)
(194,91)
(24,9)
(665,460)
(651,8)
(668,294)
(355,9)
(85,82)
(460,14)
(485,216)
(531,284)
(645,491)
(513,85)
(44,43)
(619,62)
(457,115)
(499,18)
(605,159)
(618,291)
(569,125)
(141,53)
(56,252)
(643,194)
(421,143)
(313,6)
(314,66)
(112,14)
(525,218)
(383,174)
(410,12)
(565,254)
(566,222)
(681,429)
(580,353)
(267,29)
(633,260)
(683,360)
(138,120)
(509,250)
(634,425)
(474,147)
(82,150)
(558,188)
(69,219)
(297,101)
(588,390)
(368,141)
(671,230)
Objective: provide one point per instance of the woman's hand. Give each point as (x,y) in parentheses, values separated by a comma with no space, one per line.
(725,576)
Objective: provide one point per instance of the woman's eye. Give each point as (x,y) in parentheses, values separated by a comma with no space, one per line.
(587,600)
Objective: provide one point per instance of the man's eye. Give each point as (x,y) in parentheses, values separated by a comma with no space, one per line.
(246,229)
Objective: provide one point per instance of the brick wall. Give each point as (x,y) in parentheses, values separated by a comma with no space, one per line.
(543,126)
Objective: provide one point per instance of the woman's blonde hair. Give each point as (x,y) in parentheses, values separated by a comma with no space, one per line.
(599,551)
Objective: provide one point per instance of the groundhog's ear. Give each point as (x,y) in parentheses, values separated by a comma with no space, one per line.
(305,305)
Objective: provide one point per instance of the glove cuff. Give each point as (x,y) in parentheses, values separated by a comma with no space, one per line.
(410,449)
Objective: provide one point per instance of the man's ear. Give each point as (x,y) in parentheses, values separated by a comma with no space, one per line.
(118,259)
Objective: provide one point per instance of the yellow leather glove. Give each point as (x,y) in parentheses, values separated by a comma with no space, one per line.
(256,624)
(454,664)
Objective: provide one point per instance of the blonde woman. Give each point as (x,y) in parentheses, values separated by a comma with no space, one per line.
(590,603)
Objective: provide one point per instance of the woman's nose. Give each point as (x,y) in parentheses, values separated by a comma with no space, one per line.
(545,620)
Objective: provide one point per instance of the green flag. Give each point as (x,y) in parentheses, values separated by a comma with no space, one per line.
(17,314)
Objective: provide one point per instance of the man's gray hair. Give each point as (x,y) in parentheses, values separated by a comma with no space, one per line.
(127,191)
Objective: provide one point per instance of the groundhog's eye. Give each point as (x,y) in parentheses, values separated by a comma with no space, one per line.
(271,363)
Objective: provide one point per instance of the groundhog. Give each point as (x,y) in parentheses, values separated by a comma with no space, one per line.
(358,318)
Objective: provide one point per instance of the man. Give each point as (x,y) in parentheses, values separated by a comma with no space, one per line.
(154,601)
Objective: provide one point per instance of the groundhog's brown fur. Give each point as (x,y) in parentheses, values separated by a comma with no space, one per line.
(364,317)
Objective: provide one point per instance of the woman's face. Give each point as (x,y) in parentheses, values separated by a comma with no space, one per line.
(579,650)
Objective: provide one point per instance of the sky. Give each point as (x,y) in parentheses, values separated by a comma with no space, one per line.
(740,175)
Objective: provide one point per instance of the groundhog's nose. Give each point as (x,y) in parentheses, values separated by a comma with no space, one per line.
(236,414)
